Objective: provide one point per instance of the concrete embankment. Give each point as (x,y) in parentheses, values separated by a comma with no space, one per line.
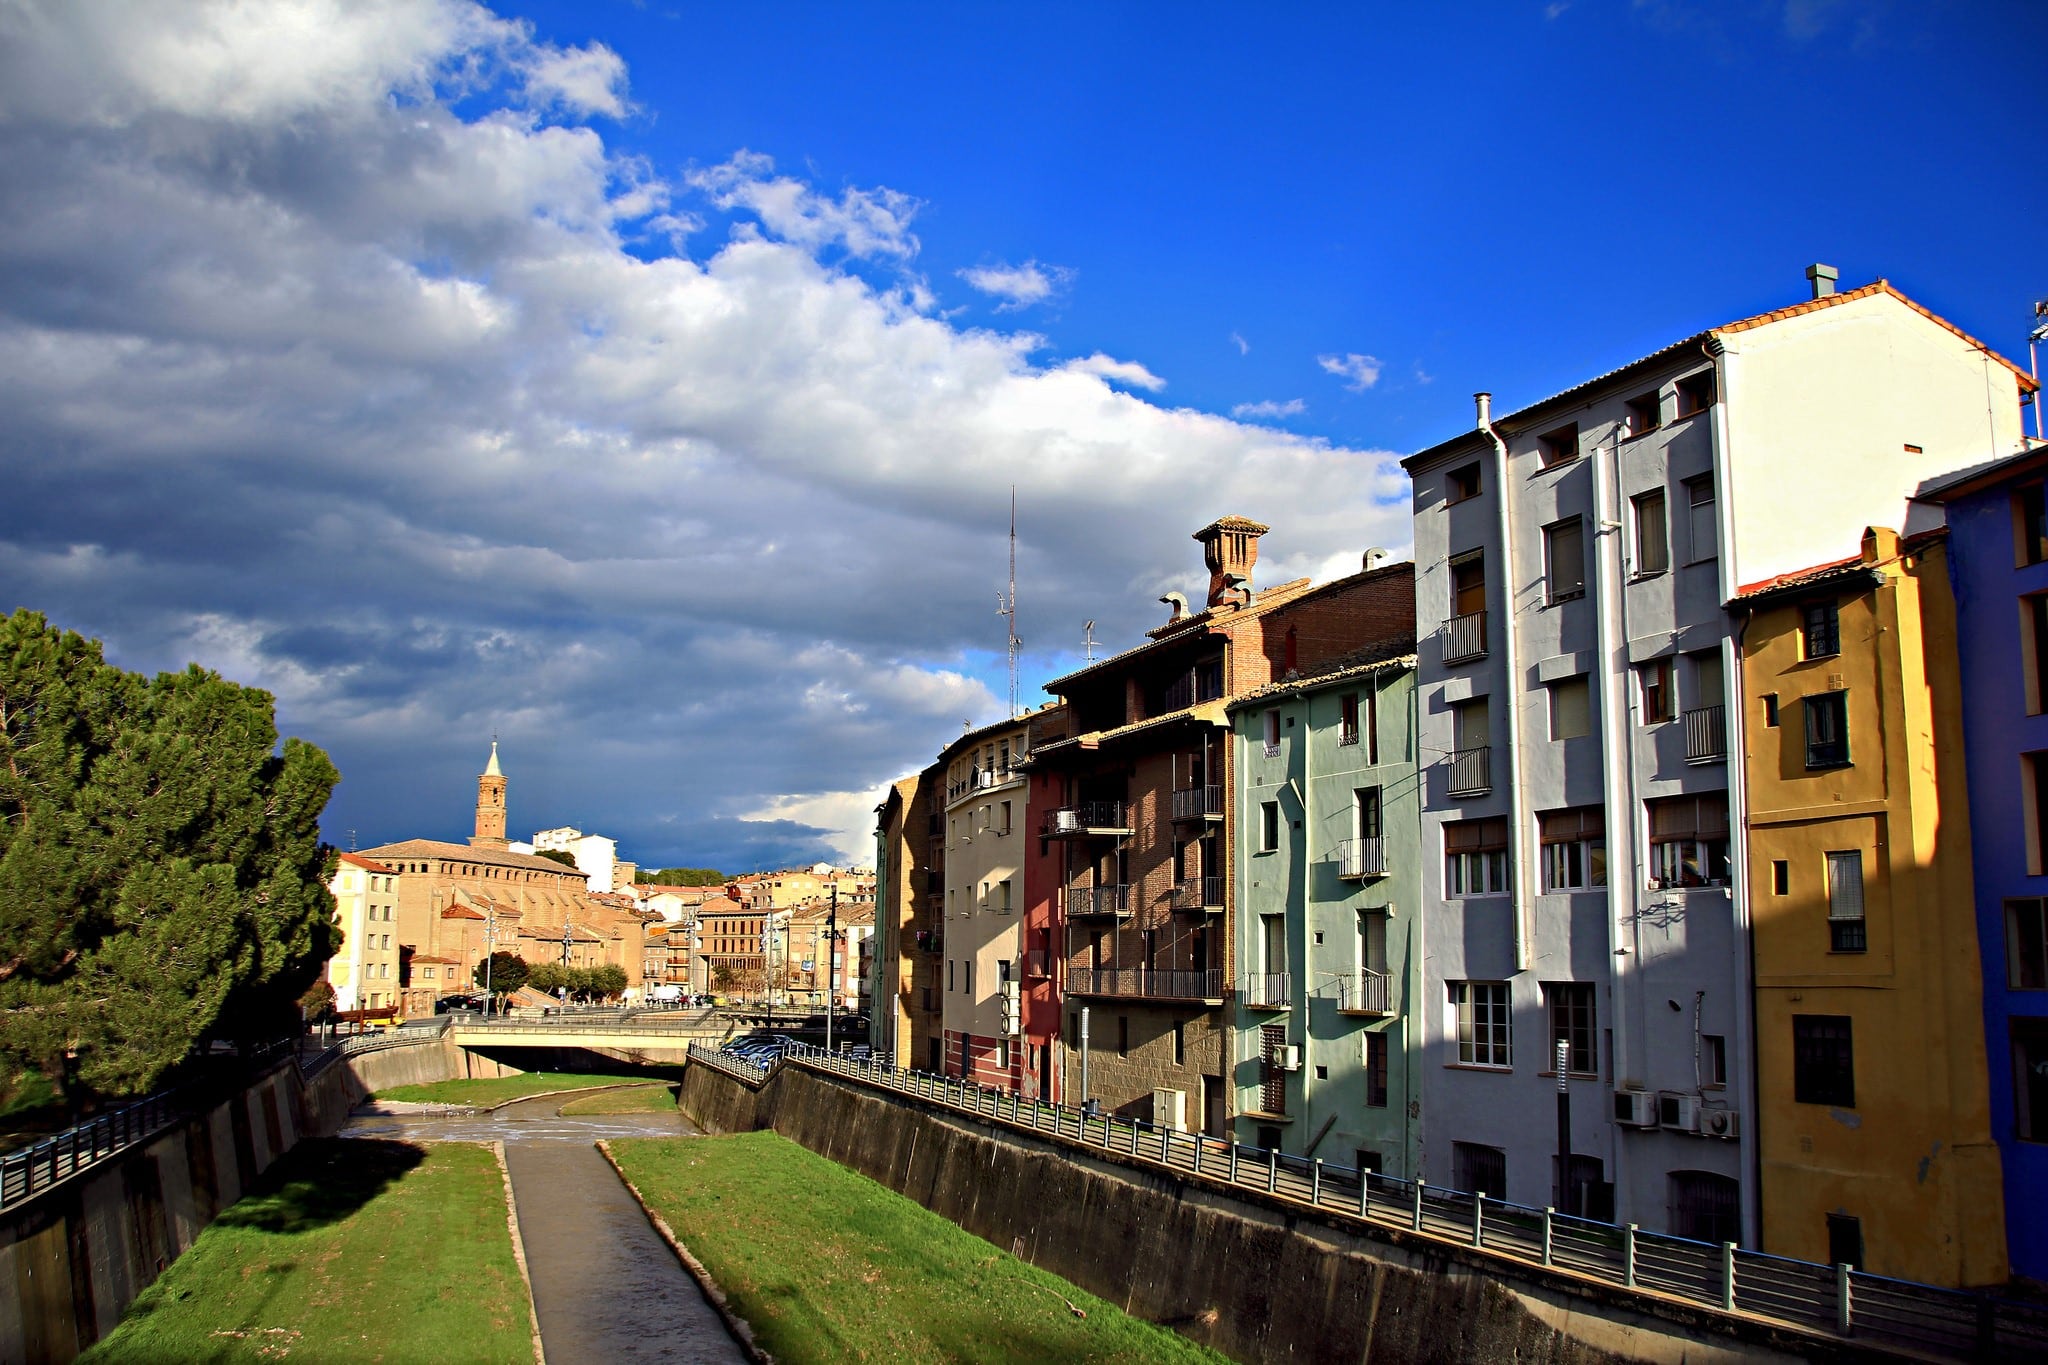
(72,1260)
(1259,1280)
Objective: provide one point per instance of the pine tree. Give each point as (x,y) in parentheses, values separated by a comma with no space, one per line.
(161,871)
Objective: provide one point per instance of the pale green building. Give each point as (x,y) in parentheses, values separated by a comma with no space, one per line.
(1328,886)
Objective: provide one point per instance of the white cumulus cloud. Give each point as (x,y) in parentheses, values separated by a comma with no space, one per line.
(1359,372)
(1269,408)
(1121,371)
(1018,286)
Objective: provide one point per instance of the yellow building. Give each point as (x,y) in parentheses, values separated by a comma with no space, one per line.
(1874,1138)
(365,969)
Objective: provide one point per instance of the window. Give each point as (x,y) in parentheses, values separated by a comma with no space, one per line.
(1365,812)
(2030,1078)
(1827,730)
(1642,414)
(1003,897)
(1560,446)
(1372,725)
(2034,810)
(1713,1060)
(1571,708)
(1269,826)
(949,973)
(2030,523)
(1461,483)
(1823,1060)
(1368,1161)
(1468,584)
(1688,840)
(1574,848)
(1004,828)
(1781,877)
(1653,534)
(1479,1169)
(2026,945)
(1820,630)
(1347,720)
(1705,1206)
(1654,681)
(1570,1004)
(1845,1240)
(2034,651)
(1479,1021)
(1564,558)
(1272,724)
(1695,394)
(1845,902)
(1180,1043)
(1771,709)
(1702,533)
(1123,1035)
(1476,857)
(1375,1070)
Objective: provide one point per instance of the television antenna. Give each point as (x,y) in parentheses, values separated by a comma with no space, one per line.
(1088,642)
(1006,605)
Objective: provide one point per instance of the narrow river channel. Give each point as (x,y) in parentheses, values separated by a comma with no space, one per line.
(605,1286)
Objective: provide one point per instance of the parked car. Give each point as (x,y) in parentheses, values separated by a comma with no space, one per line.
(448,1003)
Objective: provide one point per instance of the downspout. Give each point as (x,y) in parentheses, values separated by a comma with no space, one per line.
(1735,713)
(1518,816)
(1306,747)
(1411,1112)
(1617,747)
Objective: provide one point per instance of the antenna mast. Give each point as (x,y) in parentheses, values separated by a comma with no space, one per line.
(1006,607)
(1088,641)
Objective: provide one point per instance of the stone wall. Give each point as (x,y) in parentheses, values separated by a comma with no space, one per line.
(1257,1279)
(73,1260)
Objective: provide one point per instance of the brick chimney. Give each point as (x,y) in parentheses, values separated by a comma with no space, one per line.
(1230,547)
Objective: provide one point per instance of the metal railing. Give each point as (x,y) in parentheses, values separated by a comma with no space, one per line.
(1366,992)
(1085,901)
(1719,1278)
(1087,817)
(1198,893)
(1471,771)
(1146,982)
(1362,857)
(1465,638)
(1265,991)
(1198,803)
(1706,734)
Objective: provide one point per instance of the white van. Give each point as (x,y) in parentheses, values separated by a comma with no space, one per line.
(669,993)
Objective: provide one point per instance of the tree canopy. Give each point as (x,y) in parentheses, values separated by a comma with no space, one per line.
(556,855)
(161,870)
(685,876)
(508,972)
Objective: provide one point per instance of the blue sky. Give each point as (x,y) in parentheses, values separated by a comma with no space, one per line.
(644,383)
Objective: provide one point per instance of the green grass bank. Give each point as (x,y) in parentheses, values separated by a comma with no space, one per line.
(640,1099)
(852,1271)
(499,1089)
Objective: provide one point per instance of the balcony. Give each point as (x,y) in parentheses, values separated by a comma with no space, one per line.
(1147,983)
(1706,735)
(1358,858)
(1087,818)
(1037,965)
(1094,902)
(1465,638)
(1471,771)
(931,940)
(1366,992)
(1265,991)
(1198,803)
(1199,895)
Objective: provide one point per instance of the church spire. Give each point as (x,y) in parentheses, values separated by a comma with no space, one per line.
(490,805)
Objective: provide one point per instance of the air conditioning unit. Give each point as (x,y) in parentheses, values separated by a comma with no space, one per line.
(1290,1058)
(1720,1122)
(1013,1014)
(1635,1108)
(1678,1112)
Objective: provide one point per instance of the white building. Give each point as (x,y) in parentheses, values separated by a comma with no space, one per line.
(596,856)
(364,970)
(1580,880)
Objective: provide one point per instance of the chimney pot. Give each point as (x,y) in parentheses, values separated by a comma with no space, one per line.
(1823,278)
(1484,402)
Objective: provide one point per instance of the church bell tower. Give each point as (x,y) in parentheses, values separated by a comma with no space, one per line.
(490,805)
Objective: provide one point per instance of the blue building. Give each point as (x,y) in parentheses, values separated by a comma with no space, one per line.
(1998,536)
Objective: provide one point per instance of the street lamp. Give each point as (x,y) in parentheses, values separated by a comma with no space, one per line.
(490,951)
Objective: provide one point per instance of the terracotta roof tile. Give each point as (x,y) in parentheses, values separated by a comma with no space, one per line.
(368,864)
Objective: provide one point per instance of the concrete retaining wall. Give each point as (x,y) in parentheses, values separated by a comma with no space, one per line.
(1259,1280)
(73,1260)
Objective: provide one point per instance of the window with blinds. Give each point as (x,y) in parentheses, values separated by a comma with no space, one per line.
(1476,857)
(1574,844)
(1688,840)
(1845,902)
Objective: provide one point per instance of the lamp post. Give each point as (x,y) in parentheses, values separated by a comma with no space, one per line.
(490,951)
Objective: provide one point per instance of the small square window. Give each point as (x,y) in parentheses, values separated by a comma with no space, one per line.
(1820,630)
(1461,483)
(1823,1060)
(1781,877)
(1560,446)
(1643,414)
(1771,709)
(1269,826)
(1695,393)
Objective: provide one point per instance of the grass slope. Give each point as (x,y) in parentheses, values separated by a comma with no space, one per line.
(498,1089)
(640,1099)
(349,1250)
(827,1265)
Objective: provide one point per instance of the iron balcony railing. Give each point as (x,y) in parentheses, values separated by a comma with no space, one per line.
(1706,734)
(1471,771)
(1198,893)
(1198,803)
(1367,992)
(1465,638)
(1853,1305)
(1084,901)
(1087,817)
(1146,982)
(1362,857)
(1265,991)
